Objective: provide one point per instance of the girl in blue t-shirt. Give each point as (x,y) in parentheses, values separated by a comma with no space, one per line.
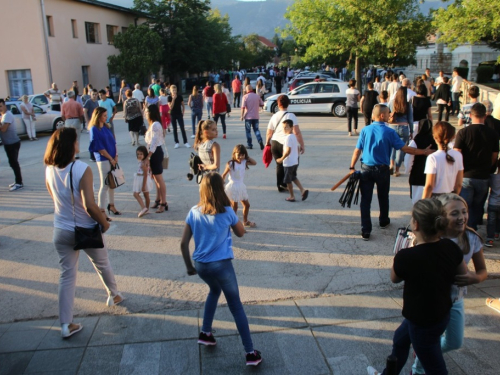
(210,223)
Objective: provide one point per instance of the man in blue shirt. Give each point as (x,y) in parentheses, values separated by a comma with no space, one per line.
(376,143)
(110,106)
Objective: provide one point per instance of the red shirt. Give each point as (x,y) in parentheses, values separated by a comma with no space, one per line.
(236,85)
(220,103)
(71,109)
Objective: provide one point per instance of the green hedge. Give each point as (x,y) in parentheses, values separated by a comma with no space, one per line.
(484,73)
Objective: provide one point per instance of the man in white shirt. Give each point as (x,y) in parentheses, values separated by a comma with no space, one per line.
(439,79)
(138,94)
(410,93)
(456,85)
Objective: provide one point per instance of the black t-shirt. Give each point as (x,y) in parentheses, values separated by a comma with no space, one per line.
(477,142)
(277,80)
(417,176)
(492,123)
(176,106)
(428,271)
(420,108)
(370,100)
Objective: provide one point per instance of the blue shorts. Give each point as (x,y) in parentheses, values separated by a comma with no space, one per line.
(290,174)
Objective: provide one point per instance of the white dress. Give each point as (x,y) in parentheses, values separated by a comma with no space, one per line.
(139,178)
(235,188)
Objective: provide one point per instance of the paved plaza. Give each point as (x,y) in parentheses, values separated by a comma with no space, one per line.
(318,298)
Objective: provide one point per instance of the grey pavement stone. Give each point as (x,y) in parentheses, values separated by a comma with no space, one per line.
(32,325)
(348,308)
(53,339)
(55,361)
(101,360)
(261,318)
(284,353)
(180,358)
(4,328)
(475,297)
(145,328)
(139,359)
(21,340)
(14,363)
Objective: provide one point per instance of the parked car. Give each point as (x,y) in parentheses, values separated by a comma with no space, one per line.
(40,100)
(306,78)
(45,120)
(253,81)
(319,97)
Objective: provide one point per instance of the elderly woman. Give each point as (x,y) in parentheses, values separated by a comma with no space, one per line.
(28,117)
(154,139)
(133,116)
(103,145)
(275,137)
(70,184)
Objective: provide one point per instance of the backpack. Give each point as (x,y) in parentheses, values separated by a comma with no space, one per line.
(194,162)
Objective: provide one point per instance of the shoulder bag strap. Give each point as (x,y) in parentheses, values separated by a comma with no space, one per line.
(72,193)
(281,119)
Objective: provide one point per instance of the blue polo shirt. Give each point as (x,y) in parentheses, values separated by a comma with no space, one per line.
(377,141)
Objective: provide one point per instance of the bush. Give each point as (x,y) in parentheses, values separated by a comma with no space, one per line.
(484,73)
(462,72)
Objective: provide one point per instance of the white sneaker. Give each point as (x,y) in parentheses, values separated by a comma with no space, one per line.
(11,185)
(193,136)
(372,371)
(176,145)
(187,145)
(16,187)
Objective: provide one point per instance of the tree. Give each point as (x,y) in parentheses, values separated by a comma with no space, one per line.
(254,52)
(370,30)
(469,21)
(139,55)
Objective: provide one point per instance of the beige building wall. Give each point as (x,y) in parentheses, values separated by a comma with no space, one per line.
(68,54)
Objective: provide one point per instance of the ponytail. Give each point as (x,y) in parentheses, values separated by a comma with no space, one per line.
(449,158)
(443,133)
(431,217)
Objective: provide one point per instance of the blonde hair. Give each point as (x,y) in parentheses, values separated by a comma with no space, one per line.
(217,88)
(195,91)
(202,125)
(172,87)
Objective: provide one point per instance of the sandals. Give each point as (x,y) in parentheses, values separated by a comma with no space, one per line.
(143,212)
(305,195)
(69,329)
(494,303)
(249,224)
(162,208)
(290,199)
(156,205)
(115,300)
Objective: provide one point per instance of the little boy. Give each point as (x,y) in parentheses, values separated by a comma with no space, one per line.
(290,160)
(493,224)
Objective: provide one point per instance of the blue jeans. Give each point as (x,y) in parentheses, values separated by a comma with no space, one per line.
(453,336)
(455,101)
(220,276)
(222,120)
(209,108)
(425,342)
(249,124)
(403,131)
(196,114)
(474,191)
(493,224)
(369,177)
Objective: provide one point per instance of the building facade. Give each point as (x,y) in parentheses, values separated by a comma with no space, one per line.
(59,41)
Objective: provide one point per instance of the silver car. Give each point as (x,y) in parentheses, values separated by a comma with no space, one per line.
(45,120)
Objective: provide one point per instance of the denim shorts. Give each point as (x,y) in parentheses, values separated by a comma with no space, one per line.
(290,174)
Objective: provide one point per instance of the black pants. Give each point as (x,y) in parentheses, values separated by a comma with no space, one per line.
(278,89)
(352,113)
(237,96)
(368,117)
(441,108)
(12,152)
(178,118)
(222,118)
(277,151)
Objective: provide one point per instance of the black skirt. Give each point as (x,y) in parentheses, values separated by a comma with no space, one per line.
(156,162)
(135,124)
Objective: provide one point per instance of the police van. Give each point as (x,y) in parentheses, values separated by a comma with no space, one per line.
(319,97)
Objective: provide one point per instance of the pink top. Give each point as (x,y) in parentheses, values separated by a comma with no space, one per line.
(252,102)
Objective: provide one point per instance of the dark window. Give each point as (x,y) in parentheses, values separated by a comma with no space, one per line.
(40,100)
(50,26)
(20,82)
(13,108)
(124,30)
(111,31)
(324,89)
(74,29)
(92,32)
(306,90)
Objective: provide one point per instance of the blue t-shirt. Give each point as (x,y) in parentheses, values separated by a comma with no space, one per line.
(377,141)
(90,105)
(212,234)
(102,139)
(109,104)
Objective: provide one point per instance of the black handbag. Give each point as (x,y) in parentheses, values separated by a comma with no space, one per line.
(85,238)
(194,170)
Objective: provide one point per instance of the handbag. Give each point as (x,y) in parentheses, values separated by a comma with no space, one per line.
(228,108)
(404,239)
(85,238)
(194,162)
(115,177)
(164,162)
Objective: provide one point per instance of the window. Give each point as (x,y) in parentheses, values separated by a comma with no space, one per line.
(85,75)
(38,110)
(124,29)
(74,29)
(50,26)
(92,32)
(13,108)
(306,90)
(20,82)
(111,31)
(40,100)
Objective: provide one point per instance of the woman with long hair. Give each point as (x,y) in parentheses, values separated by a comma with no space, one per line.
(402,123)
(195,102)
(353,97)
(154,139)
(74,206)
(103,145)
(220,107)
(151,98)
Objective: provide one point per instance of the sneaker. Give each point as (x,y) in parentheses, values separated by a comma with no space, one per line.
(224,136)
(253,359)
(187,145)
(372,371)
(488,243)
(365,236)
(16,187)
(497,236)
(176,145)
(206,339)
(10,185)
(249,147)
(193,136)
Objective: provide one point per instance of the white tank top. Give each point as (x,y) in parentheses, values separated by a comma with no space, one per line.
(58,181)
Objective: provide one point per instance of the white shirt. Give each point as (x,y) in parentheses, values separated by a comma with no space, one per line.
(446,172)
(279,134)
(439,80)
(293,158)
(456,84)
(162,100)
(138,94)
(409,95)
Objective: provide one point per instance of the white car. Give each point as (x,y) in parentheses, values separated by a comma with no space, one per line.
(45,120)
(40,100)
(319,97)
(253,81)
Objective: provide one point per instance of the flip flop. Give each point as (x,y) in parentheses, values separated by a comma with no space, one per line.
(494,303)
(250,224)
(305,195)
(290,199)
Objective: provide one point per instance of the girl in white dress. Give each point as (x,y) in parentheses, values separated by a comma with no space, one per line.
(235,188)
(142,180)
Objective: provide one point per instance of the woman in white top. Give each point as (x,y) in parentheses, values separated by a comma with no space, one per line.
(444,168)
(28,117)
(80,211)
(353,98)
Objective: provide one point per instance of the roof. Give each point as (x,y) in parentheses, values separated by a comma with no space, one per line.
(110,6)
(267,42)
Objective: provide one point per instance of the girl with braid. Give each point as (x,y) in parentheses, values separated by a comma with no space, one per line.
(444,168)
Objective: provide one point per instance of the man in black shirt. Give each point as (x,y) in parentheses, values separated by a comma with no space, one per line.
(479,147)
(367,103)
(490,121)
